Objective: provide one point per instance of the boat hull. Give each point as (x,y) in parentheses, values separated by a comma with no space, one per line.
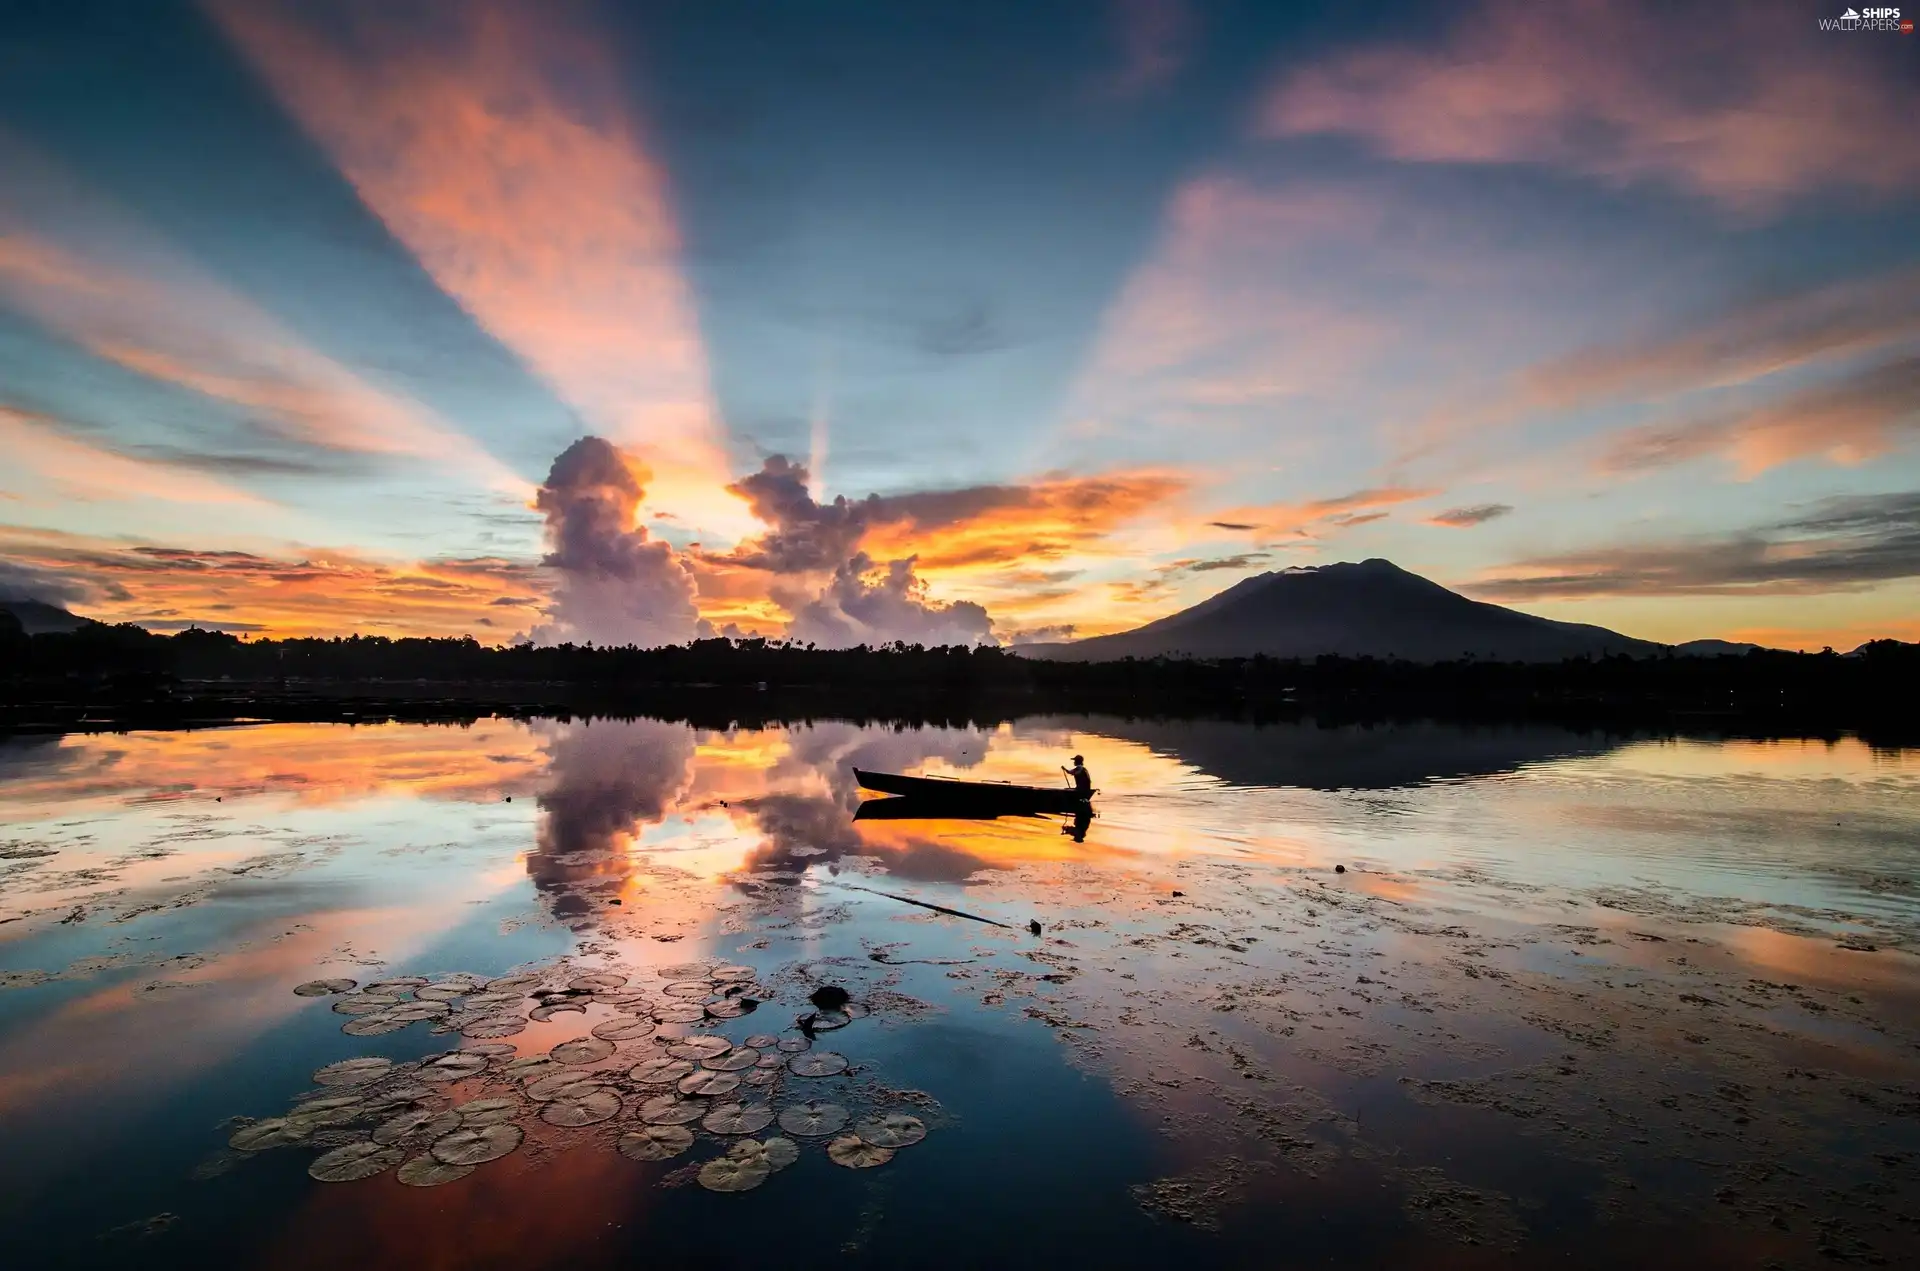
(943,792)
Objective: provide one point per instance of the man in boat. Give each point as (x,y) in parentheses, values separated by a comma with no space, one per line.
(1082,779)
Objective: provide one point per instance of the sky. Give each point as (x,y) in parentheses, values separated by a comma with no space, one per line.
(854,322)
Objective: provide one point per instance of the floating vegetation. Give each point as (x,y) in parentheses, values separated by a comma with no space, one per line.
(812,1120)
(478,1112)
(855,1152)
(779,1152)
(762,1076)
(737,1118)
(660,1071)
(493,1003)
(827,1021)
(529,1067)
(365,1003)
(324,988)
(762,1041)
(353,1072)
(682,971)
(597,983)
(581,1051)
(733,1060)
(315,1113)
(730,1009)
(817,1063)
(670,1109)
(353,1161)
(794,1045)
(425,1171)
(492,1050)
(441,992)
(892,1129)
(418,1124)
(548,1010)
(770,1059)
(396,984)
(731,974)
(556,1085)
(699,1048)
(655,1142)
(261,1135)
(582,1105)
(511,983)
(624,1030)
(455,1065)
(497,1026)
(680,1014)
(732,1173)
(476,1145)
(693,989)
(707,1084)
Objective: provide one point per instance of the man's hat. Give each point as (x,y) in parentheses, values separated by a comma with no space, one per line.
(1078,759)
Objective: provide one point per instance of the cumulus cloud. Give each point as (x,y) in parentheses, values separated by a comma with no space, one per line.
(1471,515)
(613,583)
(869,603)
(1750,114)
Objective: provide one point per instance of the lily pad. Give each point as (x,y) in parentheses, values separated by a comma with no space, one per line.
(680,1013)
(424,1171)
(581,1050)
(598,983)
(708,1084)
(734,1173)
(779,1152)
(479,1112)
(558,1085)
(671,1109)
(455,1065)
(770,1059)
(494,1003)
(762,1041)
(420,1124)
(623,1030)
(734,1060)
(729,1009)
(737,1118)
(855,1152)
(700,1048)
(529,1067)
(365,1003)
(353,1161)
(582,1106)
(655,1142)
(511,983)
(495,1026)
(892,1129)
(730,974)
(692,990)
(660,1071)
(396,984)
(813,1120)
(817,1063)
(440,992)
(795,1045)
(548,1010)
(324,988)
(353,1072)
(827,1021)
(761,1076)
(492,1050)
(261,1135)
(681,971)
(476,1145)
(341,1110)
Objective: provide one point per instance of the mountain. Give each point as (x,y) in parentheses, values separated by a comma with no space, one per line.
(1372,609)
(36,616)
(1716,649)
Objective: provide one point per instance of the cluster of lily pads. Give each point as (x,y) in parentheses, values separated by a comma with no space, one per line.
(647,1066)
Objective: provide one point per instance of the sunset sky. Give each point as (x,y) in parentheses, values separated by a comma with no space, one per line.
(954,321)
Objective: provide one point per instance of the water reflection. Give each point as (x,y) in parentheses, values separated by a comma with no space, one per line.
(1555,962)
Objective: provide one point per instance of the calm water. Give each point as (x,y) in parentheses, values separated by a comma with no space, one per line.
(1595,1001)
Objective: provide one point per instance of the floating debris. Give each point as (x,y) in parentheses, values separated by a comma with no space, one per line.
(324,988)
(624,1030)
(732,1173)
(455,1065)
(660,1071)
(818,1063)
(708,1084)
(733,1060)
(737,1118)
(655,1142)
(582,1105)
(424,1171)
(812,1120)
(353,1072)
(855,1152)
(699,1047)
(892,1129)
(261,1135)
(581,1051)
(420,1124)
(497,1026)
(479,1112)
(670,1109)
(476,1145)
(601,983)
(351,1162)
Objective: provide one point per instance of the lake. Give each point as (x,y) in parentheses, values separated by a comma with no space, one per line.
(1405,995)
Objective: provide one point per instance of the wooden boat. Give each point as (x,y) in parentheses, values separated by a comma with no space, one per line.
(990,796)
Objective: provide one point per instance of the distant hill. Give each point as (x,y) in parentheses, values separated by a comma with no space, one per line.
(37,617)
(1715,649)
(1372,609)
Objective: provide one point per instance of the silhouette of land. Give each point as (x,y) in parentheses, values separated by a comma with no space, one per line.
(102,677)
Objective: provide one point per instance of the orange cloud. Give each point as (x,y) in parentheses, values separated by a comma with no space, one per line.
(1049,520)
(1749,114)
(311,593)
(36,449)
(495,145)
(1317,517)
